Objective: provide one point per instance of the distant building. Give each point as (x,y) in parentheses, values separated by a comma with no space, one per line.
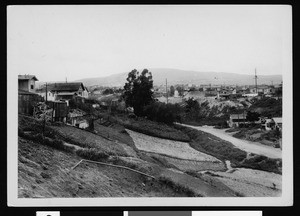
(76,118)
(27,83)
(27,98)
(176,93)
(236,119)
(64,91)
(277,123)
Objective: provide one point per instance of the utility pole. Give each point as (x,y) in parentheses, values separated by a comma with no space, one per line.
(66,80)
(255,81)
(167,89)
(46,94)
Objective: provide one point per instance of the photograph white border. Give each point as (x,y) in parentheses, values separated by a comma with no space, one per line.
(287,151)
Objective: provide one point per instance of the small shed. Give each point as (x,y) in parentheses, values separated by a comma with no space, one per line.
(277,123)
(235,120)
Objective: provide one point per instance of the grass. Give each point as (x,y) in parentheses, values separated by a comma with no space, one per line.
(92,154)
(87,139)
(224,150)
(155,129)
(39,138)
(178,187)
(214,146)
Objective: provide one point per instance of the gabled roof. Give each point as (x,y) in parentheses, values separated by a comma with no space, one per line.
(64,87)
(27,77)
(277,120)
(23,92)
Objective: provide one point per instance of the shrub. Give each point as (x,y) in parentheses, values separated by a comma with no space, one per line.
(92,154)
(151,128)
(162,112)
(263,163)
(218,148)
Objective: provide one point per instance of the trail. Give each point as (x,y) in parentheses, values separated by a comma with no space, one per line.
(248,146)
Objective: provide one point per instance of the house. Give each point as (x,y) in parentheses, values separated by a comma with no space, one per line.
(27,98)
(60,110)
(76,118)
(277,123)
(26,101)
(64,91)
(27,82)
(264,89)
(266,124)
(250,95)
(235,120)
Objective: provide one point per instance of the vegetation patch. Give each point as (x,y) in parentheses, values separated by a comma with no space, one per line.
(224,150)
(39,138)
(178,187)
(87,139)
(155,129)
(92,154)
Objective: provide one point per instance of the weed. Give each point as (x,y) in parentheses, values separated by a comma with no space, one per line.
(178,188)
(92,154)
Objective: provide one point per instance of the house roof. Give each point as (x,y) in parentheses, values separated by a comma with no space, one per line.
(22,92)
(238,116)
(277,120)
(67,93)
(27,77)
(64,87)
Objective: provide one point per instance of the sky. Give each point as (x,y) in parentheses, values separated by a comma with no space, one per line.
(55,42)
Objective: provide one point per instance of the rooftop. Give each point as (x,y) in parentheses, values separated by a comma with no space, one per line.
(65,87)
(27,77)
(278,119)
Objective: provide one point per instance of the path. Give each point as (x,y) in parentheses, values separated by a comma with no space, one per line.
(248,146)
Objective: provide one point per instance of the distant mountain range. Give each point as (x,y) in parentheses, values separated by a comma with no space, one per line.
(175,76)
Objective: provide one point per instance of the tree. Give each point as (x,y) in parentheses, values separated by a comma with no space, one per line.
(180,90)
(138,90)
(162,112)
(192,109)
(172,90)
(108,91)
(252,116)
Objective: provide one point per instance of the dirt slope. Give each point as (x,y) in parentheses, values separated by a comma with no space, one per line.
(45,172)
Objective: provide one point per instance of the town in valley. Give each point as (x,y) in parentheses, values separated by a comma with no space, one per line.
(147,140)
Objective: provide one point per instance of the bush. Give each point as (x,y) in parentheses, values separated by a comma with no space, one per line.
(92,154)
(162,112)
(151,128)
(263,163)
(218,148)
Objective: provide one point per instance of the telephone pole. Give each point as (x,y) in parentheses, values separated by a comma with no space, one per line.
(46,93)
(255,81)
(167,89)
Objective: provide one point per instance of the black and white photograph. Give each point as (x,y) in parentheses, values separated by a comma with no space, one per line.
(149,105)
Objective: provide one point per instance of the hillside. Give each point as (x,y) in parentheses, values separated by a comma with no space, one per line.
(176,76)
(46,166)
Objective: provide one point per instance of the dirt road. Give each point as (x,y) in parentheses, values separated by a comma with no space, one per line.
(248,146)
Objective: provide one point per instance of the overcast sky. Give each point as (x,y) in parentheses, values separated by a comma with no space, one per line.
(54,42)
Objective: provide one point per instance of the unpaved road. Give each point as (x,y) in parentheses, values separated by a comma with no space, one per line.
(252,183)
(248,146)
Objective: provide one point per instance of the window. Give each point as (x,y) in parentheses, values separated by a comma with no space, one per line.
(31,86)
